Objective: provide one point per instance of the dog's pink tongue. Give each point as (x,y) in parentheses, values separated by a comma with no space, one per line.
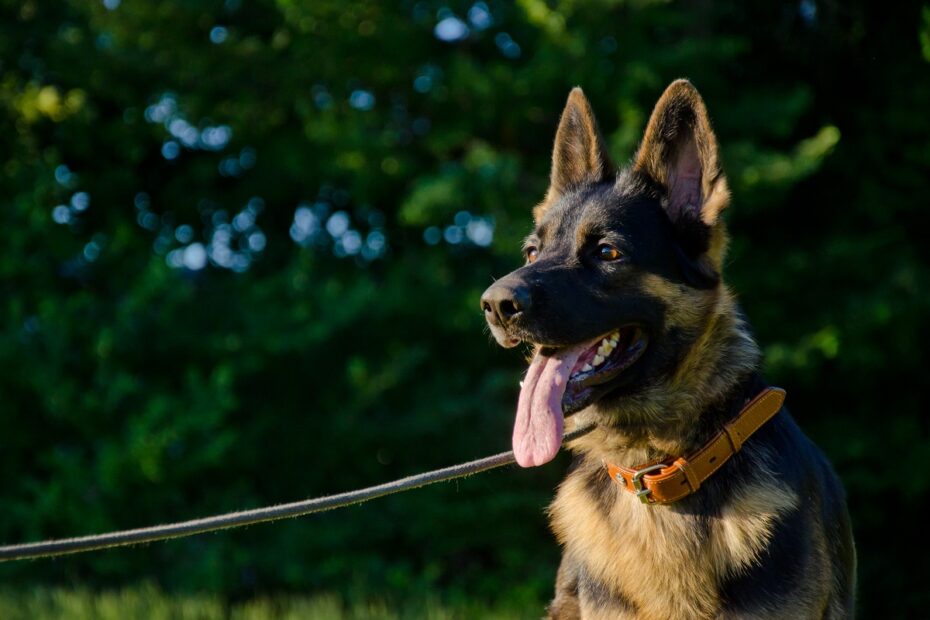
(537,432)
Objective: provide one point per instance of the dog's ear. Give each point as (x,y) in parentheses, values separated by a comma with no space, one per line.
(579,156)
(679,153)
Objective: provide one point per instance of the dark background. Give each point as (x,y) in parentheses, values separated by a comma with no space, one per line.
(242,244)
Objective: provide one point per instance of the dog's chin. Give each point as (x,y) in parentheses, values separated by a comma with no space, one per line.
(606,367)
(504,337)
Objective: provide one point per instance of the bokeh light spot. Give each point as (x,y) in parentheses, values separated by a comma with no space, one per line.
(80,201)
(480,16)
(432,235)
(362,100)
(480,231)
(142,201)
(195,257)
(351,242)
(337,224)
(218,34)
(64,176)
(454,234)
(808,11)
(451,29)
(507,46)
(247,157)
(170,150)
(422,83)
(257,241)
(91,251)
(61,214)
(184,233)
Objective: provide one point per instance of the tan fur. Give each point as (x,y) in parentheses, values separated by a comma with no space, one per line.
(638,551)
(540,209)
(745,526)
(719,242)
(607,613)
(620,551)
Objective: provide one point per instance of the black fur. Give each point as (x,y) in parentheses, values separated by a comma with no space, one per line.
(768,534)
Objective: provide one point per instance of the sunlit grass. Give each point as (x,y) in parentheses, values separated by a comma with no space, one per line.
(149,603)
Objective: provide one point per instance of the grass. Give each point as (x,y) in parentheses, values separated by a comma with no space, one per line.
(147,602)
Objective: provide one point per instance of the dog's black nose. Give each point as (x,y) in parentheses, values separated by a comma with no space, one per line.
(503,302)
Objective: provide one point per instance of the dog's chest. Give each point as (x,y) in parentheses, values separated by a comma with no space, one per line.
(638,561)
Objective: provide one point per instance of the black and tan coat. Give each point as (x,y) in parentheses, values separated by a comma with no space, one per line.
(768,536)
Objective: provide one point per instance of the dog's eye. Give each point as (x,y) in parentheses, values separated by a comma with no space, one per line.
(607,252)
(532,253)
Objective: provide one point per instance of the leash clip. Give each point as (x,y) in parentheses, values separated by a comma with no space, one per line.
(641,492)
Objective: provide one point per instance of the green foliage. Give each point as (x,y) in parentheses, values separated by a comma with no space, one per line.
(242,243)
(148,603)
(925,33)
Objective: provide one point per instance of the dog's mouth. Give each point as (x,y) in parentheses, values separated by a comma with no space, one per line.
(565,380)
(607,358)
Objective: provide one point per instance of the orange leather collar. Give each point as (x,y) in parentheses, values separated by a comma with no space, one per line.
(661,483)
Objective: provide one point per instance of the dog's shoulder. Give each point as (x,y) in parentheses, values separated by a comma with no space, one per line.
(809,549)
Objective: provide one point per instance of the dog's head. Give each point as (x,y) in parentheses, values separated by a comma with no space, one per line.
(621,269)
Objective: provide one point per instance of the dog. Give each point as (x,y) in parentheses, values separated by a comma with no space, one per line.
(693,493)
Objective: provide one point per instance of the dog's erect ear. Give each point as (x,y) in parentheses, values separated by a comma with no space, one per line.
(579,155)
(679,152)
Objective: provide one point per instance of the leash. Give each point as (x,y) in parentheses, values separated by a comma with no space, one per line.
(65,546)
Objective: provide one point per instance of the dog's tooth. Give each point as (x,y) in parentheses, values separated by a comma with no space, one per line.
(598,360)
(610,346)
(603,351)
(587,367)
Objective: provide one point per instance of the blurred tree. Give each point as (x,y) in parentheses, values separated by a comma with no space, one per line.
(242,246)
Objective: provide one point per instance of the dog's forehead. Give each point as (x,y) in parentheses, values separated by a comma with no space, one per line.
(598,209)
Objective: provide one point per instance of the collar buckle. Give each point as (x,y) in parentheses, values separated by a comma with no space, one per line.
(641,491)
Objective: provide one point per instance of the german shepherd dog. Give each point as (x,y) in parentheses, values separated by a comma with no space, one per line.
(634,334)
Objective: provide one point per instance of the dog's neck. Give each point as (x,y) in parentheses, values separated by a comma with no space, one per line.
(678,414)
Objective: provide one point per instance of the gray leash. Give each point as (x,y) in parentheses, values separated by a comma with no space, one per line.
(50,548)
